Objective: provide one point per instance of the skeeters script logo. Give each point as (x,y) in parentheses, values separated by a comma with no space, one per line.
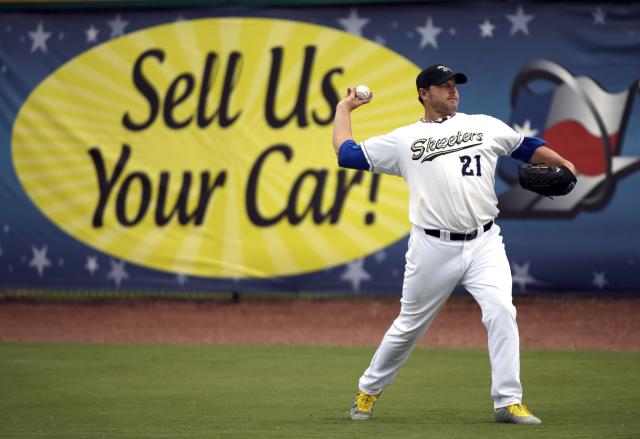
(582,122)
(443,145)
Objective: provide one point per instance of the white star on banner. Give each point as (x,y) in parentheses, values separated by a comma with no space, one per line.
(599,16)
(380,40)
(519,21)
(181,278)
(599,280)
(380,256)
(353,24)
(92,34)
(6,228)
(92,264)
(355,274)
(117,26)
(39,259)
(429,33)
(525,129)
(521,276)
(486,28)
(39,37)
(117,272)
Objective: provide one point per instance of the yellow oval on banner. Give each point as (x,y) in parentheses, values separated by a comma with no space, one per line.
(204,147)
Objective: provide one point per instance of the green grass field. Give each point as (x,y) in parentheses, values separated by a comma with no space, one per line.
(111,391)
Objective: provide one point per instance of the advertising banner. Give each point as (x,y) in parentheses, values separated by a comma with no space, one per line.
(191,149)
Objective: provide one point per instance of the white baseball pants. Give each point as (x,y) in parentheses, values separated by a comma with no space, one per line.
(433,269)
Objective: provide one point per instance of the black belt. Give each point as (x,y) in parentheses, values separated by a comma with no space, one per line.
(459,236)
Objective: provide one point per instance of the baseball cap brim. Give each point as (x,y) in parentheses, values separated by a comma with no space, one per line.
(460,78)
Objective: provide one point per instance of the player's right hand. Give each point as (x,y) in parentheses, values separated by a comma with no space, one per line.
(350,102)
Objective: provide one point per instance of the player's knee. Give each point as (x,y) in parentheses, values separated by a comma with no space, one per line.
(404,331)
(407,329)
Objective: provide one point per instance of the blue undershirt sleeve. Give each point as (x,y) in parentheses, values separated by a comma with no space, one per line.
(352,156)
(526,149)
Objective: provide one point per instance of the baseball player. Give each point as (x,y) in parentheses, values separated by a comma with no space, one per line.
(448,160)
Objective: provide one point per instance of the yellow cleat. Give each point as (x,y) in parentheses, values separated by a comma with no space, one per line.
(516,414)
(363,406)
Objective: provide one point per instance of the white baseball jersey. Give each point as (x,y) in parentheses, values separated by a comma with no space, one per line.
(449,167)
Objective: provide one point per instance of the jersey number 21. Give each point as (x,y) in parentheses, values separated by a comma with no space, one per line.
(467,168)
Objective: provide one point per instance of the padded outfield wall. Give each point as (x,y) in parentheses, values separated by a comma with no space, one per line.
(189,148)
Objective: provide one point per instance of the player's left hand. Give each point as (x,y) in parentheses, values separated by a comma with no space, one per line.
(351,102)
(547,180)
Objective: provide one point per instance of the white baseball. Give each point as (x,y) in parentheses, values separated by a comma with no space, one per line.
(362,92)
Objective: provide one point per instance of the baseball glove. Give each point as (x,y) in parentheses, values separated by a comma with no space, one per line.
(547,180)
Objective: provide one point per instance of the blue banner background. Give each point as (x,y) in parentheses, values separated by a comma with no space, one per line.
(595,251)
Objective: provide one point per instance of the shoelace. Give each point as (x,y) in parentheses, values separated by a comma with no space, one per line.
(365,402)
(518,410)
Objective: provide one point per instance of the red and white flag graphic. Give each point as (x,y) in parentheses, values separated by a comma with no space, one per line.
(584,124)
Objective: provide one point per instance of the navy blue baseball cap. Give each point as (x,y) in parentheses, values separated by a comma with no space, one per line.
(438,74)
